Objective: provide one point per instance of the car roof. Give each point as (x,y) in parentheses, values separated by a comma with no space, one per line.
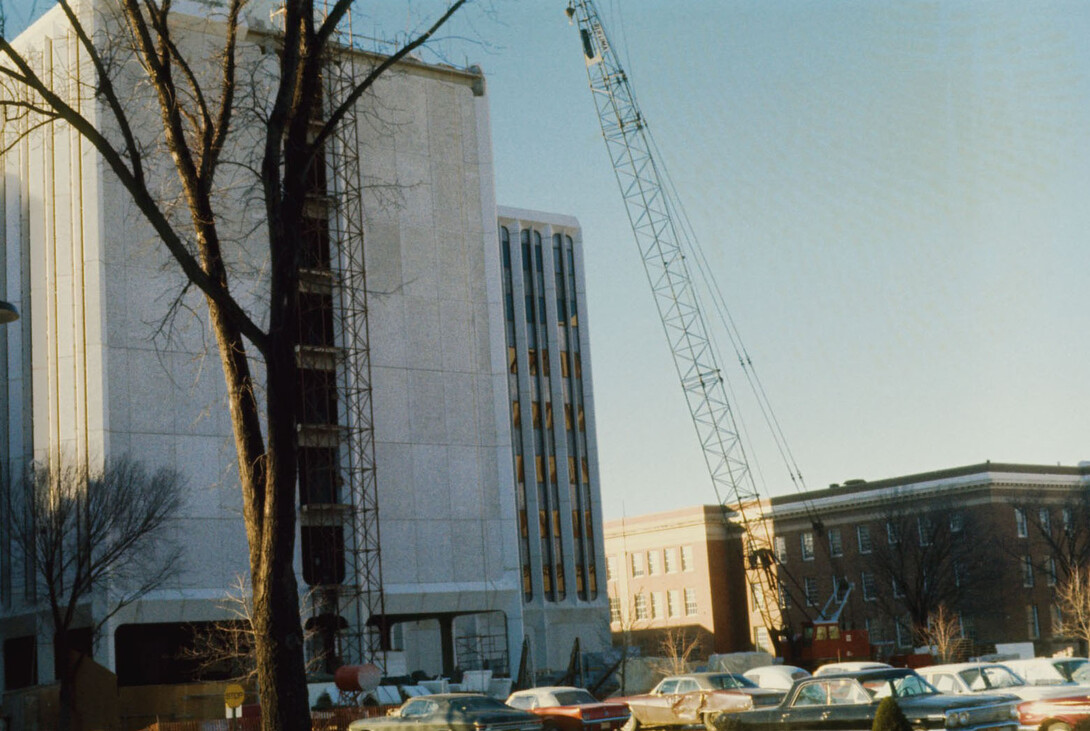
(546,689)
(871,674)
(957,667)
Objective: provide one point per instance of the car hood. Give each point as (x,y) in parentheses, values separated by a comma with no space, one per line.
(1050,692)
(923,705)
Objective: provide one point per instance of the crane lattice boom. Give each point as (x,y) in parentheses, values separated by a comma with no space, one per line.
(650,214)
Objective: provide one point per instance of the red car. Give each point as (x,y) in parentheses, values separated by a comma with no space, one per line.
(562,708)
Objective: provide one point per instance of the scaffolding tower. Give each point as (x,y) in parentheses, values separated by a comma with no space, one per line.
(338,491)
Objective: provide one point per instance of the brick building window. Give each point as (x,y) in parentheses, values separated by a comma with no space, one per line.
(925,529)
(1033,626)
(611,568)
(957,522)
(811,590)
(893,534)
(867,580)
(669,560)
(1020,523)
(904,632)
(640,602)
(654,562)
(1045,519)
(898,592)
(785,597)
(637,564)
(1052,571)
(658,605)
(807,542)
(781,549)
(686,558)
(836,546)
(614,609)
(690,602)
(862,535)
(673,603)
(1027,571)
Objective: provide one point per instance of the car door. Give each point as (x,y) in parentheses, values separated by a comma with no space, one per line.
(809,708)
(657,708)
(419,715)
(689,701)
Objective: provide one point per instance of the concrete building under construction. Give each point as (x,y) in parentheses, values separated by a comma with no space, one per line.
(421,535)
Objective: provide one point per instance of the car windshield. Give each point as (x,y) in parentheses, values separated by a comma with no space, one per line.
(729,681)
(902,686)
(574,697)
(989,678)
(1075,669)
(477,703)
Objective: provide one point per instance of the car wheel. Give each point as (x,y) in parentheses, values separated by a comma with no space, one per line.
(631,724)
(1059,726)
(711,720)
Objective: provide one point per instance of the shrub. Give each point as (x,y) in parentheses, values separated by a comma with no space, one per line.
(890,717)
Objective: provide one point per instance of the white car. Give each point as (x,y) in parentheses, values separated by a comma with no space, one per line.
(1051,708)
(1052,670)
(853,666)
(777,677)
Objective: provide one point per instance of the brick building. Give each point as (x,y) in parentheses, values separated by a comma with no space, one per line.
(677,572)
(991,542)
(988,541)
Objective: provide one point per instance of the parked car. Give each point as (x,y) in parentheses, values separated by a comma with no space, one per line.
(1053,708)
(776,677)
(679,700)
(850,700)
(453,711)
(1052,670)
(564,708)
(853,666)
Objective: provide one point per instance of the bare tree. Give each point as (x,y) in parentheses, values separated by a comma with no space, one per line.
(677,647)
(198,110)
(930,555)
(1073,601)
(1062,527)
(943,632)
(93,534)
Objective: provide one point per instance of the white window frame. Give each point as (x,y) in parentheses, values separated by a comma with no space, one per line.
(687,558)
(866,578)
(673,603)
(865,545)
(781,549)
(925,530)
(1021,528)
(836,545)
(893,534)
(810,589)
(654,563)
(806,541)
(669,560)
(1033,622)
(638,567)
(691,607)
(1027,571)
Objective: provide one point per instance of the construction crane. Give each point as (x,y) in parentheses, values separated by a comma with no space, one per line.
(656,230)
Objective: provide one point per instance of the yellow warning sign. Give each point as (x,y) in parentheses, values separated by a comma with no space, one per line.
(234,695)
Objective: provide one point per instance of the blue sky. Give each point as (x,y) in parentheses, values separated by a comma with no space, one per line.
(893,196)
